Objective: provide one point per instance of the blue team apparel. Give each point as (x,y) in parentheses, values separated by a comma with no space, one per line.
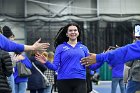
(67,61)
(121,55)
(8,45)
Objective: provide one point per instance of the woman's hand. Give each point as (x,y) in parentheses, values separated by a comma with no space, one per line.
(40,58)
(89,60)
(19,58)
(36,46)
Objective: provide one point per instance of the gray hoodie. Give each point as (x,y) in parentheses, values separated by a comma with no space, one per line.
(134,73)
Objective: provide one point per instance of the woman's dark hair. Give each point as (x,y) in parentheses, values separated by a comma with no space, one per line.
(1,30)
(61,35)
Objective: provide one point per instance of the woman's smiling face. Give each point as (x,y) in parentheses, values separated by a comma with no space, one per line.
(72,32)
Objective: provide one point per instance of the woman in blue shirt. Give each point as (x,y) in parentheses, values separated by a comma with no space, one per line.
(21,82)
(69,51)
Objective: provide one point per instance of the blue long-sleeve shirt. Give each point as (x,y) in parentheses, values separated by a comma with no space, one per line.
(28,64)
(7,45)
(117,69)
(67,61)
(96,65)
(121,55)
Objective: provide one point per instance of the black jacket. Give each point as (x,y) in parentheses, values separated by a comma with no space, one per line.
(36,81)
(6,69)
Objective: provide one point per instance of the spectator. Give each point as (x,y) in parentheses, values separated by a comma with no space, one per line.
(88,80)
(21,82)
(49,73)
(117,73)
(133,85)
(9,34)
(6,70)
(36,81)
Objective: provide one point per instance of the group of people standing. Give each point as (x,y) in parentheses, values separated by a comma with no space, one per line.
(11,82)
(15,83)
(72,58)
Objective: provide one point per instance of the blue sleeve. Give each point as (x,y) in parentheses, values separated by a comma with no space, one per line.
(86,51)
(96,65)
(121,55)
(57,59)
(7,45)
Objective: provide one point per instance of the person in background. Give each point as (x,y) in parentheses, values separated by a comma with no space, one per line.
(126,74)
(49,73)
(69,51)
(7,32)
(117,73)
(21,82)
(95,76)
(36,81)
(88,80)
(117,78)
(55,82)
(6,70)
(133,84)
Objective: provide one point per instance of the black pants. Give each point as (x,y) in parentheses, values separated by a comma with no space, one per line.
(72,86)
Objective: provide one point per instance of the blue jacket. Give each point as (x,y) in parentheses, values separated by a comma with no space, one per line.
(7,45)
(28,64)
(118,56)
(117,69)
(67,61)
(121,55)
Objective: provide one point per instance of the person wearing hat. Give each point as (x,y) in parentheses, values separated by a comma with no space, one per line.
(9,34)
(5,71)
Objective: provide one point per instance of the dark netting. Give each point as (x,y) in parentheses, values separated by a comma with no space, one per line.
(97,35)
(45,30)
(100,35)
